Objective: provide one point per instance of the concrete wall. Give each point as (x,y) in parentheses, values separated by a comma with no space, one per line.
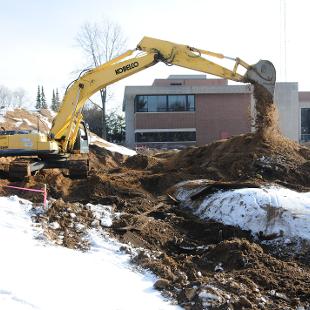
(129,110)
(286,98)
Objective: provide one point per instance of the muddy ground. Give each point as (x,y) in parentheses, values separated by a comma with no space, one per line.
(200,264)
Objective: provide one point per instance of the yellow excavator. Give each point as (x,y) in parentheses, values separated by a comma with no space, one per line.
(69,135)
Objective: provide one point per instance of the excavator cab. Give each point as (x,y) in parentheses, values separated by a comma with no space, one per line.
(81,144)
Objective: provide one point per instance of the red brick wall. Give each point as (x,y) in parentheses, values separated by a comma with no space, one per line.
(165,120)
(304,96)
(221,115)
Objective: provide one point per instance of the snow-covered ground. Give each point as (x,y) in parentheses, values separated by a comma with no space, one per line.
(35,274)
(94,139)
(273,210)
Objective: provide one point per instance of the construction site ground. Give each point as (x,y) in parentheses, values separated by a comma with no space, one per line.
(200,264)
(182,250)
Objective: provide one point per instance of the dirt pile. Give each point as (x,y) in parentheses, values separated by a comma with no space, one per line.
(65,224)
(21,119)
(247,157)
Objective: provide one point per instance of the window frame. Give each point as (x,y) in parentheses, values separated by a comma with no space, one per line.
(167,109)
(306,135)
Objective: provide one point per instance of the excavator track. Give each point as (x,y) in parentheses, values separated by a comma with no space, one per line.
(78,169)
(23,168)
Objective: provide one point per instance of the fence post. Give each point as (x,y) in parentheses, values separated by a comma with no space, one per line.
(45,197)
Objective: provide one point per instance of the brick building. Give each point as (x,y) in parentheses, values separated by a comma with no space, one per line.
(193,110)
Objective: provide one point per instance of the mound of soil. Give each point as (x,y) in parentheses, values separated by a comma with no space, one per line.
(248,157)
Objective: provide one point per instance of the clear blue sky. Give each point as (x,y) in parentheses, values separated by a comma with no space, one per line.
(38,37)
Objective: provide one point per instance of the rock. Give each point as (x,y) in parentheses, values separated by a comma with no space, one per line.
(190,293)
(95,223)
(79,226)
(219,268)
(161,284)
(54,225)
(282,296)
(244,302)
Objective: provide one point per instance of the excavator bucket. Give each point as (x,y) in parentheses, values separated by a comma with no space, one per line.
(262,73)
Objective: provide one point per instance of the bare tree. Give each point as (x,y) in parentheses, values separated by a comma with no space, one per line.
(9,98)
(5,96)
(100,43)
(19,96)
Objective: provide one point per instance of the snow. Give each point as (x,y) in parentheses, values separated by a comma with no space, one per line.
(25,120)
(3,111)
(94,139)
(45,121)
(269,210)
(102,213)
(38,275)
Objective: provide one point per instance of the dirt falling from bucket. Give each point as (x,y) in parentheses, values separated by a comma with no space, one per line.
(266,119)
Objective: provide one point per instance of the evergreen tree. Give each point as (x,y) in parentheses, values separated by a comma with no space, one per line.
(57,100)
(38,101)
(53,105)
(43,99)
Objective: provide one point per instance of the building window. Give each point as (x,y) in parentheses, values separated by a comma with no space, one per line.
(305,125)
(177,103)
(166,136)
(141,104)
(160,103)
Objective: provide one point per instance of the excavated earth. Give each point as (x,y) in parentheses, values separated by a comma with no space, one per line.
(201,265)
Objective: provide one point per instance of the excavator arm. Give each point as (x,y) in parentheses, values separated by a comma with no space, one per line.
(148,52)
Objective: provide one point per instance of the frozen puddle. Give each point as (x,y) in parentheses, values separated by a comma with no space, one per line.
(36,275)
(273,210)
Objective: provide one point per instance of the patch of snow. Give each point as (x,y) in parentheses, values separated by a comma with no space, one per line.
(94,139)
(45,121)
(54,225)
(102,213)
(18,121)
(3,112)
(211,296)
(274,210)
(25,120)
(38,275)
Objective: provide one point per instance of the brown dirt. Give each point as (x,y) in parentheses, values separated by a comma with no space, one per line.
(201,264)
(181,249)
(22,119)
